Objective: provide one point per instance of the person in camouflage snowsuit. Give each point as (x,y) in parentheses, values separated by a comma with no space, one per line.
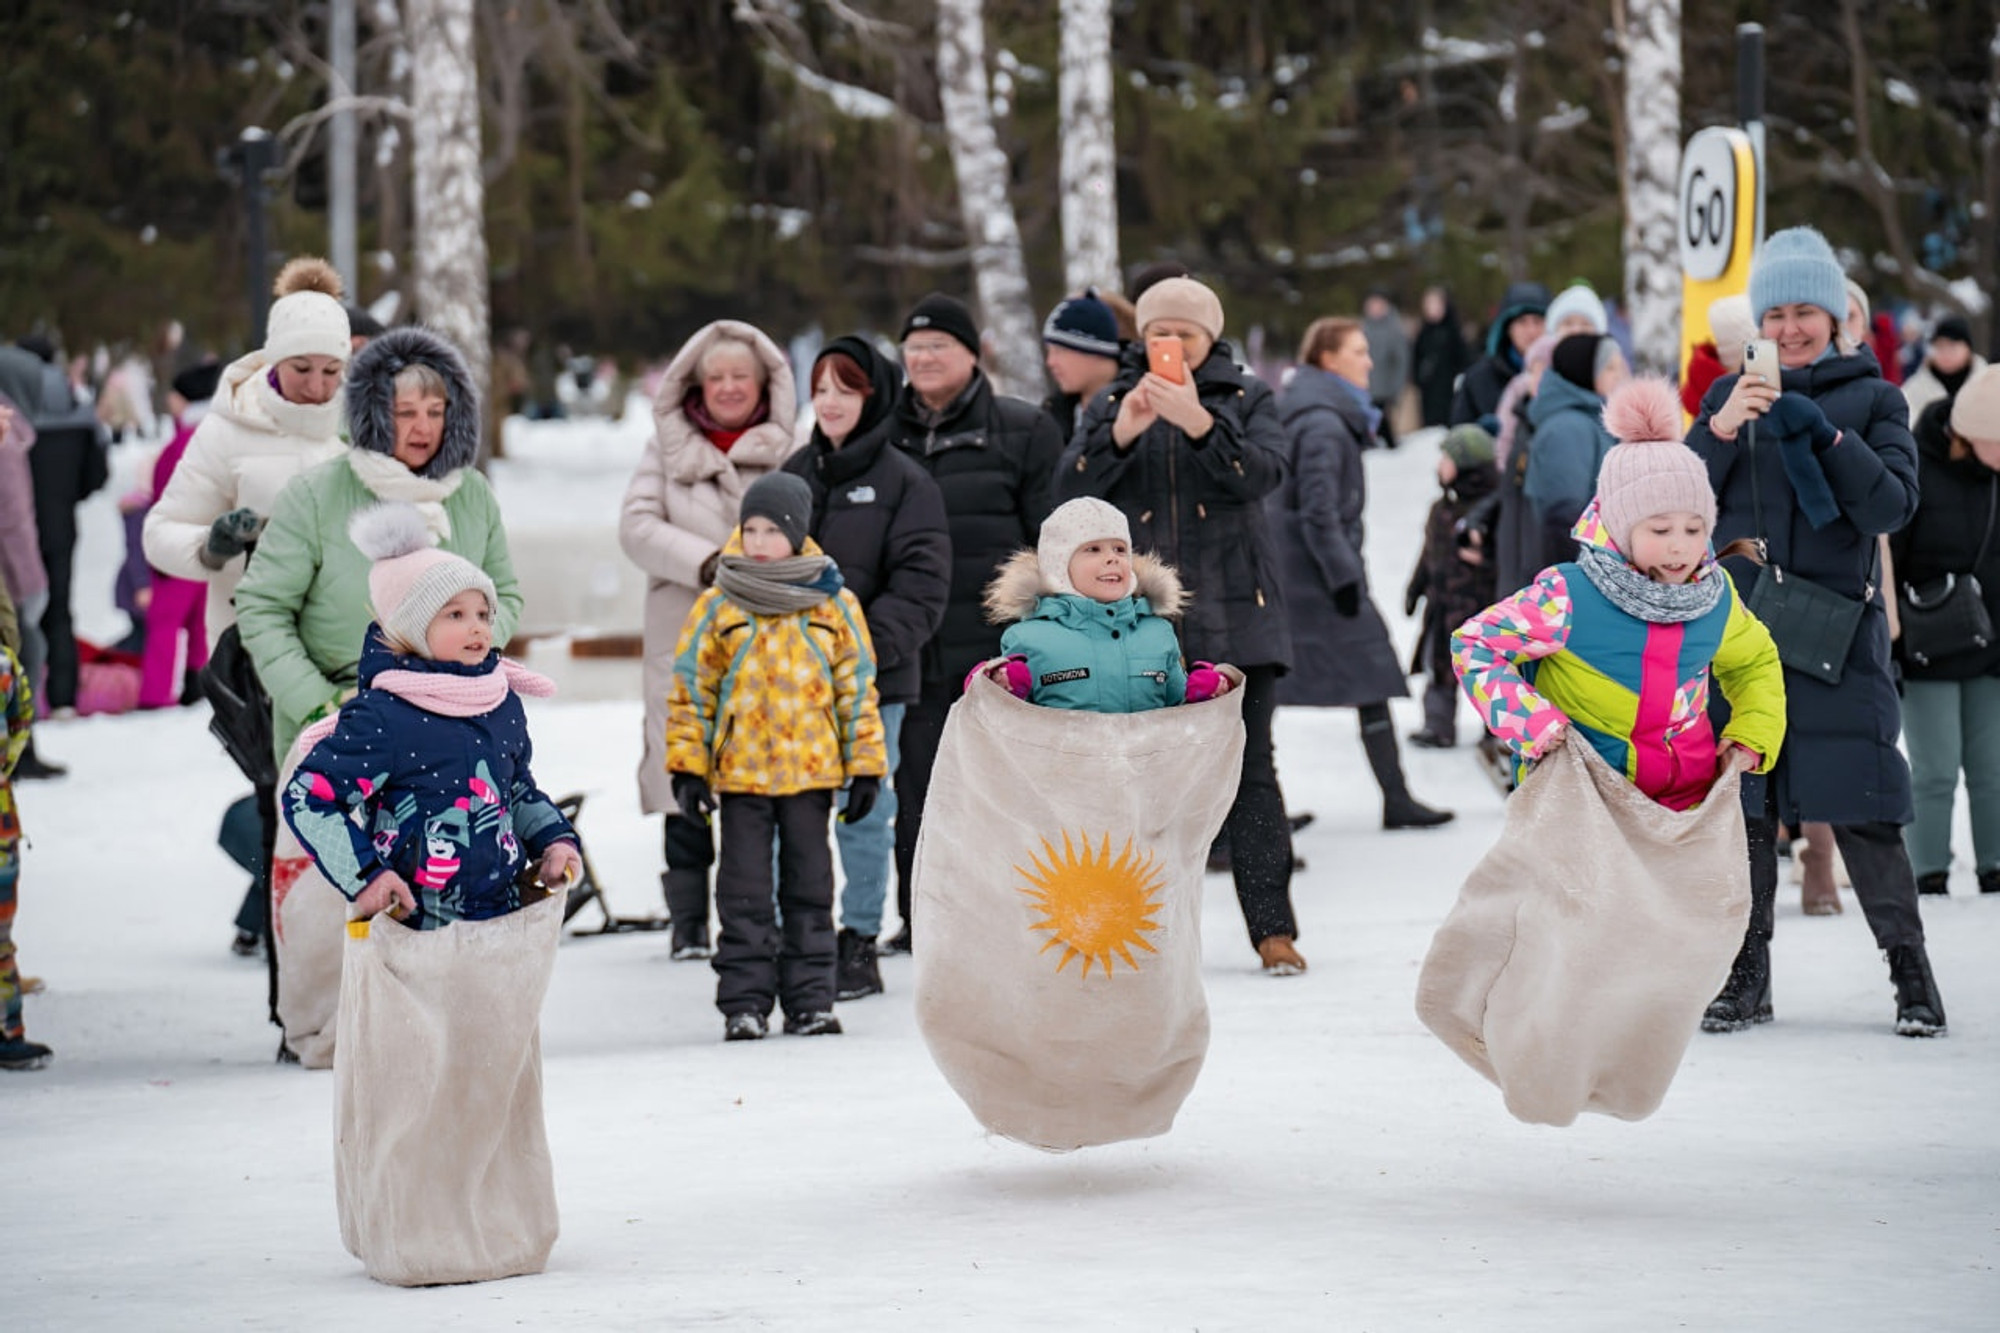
(17,710)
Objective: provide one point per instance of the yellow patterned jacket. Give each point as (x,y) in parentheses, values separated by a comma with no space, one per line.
(774,705)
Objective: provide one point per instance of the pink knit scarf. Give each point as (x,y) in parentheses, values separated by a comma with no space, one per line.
(464,696)
(449,696)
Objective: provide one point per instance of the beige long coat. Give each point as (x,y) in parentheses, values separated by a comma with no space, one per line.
(679,510)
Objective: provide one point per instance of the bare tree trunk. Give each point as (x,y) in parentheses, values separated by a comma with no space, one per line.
(1989,225)
(997,266)
(450,188)
(1089,159)
(1652,41)
(1515,201)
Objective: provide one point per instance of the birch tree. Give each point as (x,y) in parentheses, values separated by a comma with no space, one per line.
(1650,33)
(1089,172)
(449,188)
(994,233)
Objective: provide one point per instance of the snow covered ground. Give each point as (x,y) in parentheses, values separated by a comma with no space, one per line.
(1335,1168)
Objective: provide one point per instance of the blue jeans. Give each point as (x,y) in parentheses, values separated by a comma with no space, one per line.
(866,848)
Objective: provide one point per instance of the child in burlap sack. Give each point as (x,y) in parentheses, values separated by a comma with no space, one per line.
(773,710)
(1088,622)
(433,753)
(1619,645)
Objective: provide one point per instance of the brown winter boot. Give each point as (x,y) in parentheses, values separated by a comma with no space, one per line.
(1815,855)
(1280,957)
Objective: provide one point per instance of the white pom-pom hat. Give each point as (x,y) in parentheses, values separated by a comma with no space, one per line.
(1651,471)
(412,579)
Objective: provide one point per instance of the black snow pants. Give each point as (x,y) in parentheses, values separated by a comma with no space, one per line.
(758,962)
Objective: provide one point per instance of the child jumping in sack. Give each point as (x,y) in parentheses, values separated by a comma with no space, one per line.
(416,799)
(1087,621)
(773,709)
(1620,644)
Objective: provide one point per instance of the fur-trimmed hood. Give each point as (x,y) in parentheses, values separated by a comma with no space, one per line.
(1019,586)
(686,452)
(371,397)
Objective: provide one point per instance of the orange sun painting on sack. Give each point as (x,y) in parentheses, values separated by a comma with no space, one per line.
(1094,905)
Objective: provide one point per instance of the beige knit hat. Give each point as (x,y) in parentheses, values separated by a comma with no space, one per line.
(1975,413)
(307,319)
(1732,326)
(1650,471)
(1181,298)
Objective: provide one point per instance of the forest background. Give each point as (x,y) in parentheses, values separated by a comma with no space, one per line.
(650,165)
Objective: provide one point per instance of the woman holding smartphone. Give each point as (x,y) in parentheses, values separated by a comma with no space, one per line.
(1809,448)
(1188,445)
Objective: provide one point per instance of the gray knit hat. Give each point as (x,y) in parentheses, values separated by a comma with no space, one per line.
(412,579)
(786,500)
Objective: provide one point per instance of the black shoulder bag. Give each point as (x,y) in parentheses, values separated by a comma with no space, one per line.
(241,710)
(1947,617)
(1812,626)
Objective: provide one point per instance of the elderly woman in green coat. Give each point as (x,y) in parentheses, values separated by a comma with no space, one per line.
(413,418)
(303,609)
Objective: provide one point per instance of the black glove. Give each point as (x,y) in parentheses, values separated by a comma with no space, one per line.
(231,534)
(1411,596)
(692,795)
(1796,414)
(1347,600)
(861,794)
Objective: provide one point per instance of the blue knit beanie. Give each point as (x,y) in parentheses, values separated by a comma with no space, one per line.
(1083,324)
(1797,265)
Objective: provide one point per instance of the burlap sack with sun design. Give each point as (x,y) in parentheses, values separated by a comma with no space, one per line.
(1057,911)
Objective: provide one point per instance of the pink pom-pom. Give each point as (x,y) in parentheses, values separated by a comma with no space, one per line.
(1644,411)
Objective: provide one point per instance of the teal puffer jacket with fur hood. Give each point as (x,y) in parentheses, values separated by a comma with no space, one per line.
(1095,657)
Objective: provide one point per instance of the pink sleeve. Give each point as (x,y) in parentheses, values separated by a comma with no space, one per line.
(1488,650)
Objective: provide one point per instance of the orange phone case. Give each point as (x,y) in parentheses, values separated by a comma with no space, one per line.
(1163,358)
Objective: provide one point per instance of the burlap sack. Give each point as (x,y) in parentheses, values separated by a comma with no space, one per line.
(1585,945)
(440,1158)
(308,922)
(1057,911)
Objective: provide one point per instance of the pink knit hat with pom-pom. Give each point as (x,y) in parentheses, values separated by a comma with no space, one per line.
(411,579)
(1651,471)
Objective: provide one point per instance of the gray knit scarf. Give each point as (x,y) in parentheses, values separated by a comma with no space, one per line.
(777,587)
(1655,603)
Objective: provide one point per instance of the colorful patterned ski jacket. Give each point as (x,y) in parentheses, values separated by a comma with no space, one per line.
(1560,652)
(774,705)
(448,803)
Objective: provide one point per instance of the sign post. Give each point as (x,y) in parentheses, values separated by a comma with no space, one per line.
(1719,225)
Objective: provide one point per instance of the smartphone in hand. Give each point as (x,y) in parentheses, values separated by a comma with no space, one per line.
(1760,357)
(1164,358)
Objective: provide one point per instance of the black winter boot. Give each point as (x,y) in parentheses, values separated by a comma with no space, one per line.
(1919,1008)
(1399,808)
(1936,882)
(687,907)
(859,975)
(33,766)
(1745,1000)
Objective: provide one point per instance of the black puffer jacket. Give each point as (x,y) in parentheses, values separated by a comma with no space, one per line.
(992,458)
(1199,505)
(881,518)
(1840,764)
(1956,517)
(1340,659)
(1478,396)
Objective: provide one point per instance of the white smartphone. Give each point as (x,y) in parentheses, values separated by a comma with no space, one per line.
(1760,357)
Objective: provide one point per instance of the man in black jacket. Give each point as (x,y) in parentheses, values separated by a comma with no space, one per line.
(994,458)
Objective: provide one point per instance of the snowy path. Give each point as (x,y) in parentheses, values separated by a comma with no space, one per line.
(1336,1167)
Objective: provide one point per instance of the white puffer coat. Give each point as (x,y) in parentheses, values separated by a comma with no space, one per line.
(244,451)
(681,508)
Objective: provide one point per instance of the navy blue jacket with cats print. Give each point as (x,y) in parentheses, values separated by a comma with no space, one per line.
(446,802)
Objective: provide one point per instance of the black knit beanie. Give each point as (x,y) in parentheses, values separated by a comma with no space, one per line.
(1575,359)
(947,315)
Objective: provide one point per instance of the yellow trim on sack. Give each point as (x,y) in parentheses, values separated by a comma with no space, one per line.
(358,930)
